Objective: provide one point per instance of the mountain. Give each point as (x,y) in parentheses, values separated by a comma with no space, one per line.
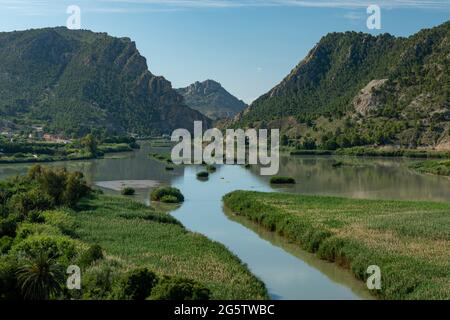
(74,82)
(211,99)
(357,89)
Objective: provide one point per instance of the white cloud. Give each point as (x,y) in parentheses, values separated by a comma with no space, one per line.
(301,3)
(136,6)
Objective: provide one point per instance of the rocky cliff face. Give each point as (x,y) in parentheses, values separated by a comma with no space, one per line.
(211,99)
(79,81)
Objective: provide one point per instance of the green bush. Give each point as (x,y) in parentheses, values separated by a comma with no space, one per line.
(23,203)
(169,199)
(61,248)
(9,289)
(179,289)
(160,192)
(202,175)
(127,191)
(60,219)
(8,227)
(210,168)
(169,168)
(91,255)
(5,244)
(137,284)
(27,229)
(98,281)
(282,180)
(64,188)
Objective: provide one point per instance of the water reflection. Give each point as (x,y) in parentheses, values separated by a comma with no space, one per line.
(288,272)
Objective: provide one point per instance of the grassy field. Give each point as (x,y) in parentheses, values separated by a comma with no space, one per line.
(438,167)
(409,241)
(141,237)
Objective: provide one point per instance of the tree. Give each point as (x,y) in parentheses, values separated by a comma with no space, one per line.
(41,277)
(90,144)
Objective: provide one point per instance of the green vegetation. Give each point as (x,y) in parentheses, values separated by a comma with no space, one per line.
(167,193)
(50,219)
(203,175)
(408,240)
(355,89)
(282,180)
(211,168)
(127,191)
(135,234)
(437,167)
(179,289)
(89,147)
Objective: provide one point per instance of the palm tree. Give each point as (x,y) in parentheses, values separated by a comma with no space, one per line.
(41,277)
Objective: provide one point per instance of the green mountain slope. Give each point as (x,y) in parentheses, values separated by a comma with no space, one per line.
(74,81)
(358,89)
(211,99)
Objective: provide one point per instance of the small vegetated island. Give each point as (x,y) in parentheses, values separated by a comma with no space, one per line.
(50,219)
(408,240)
(437,167)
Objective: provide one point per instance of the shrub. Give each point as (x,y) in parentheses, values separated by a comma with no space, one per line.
(169,199)
(179,289)
(210,168)
(98,281)
(202,175)
(91,255)
(28,229)
(8,227)
(75,189)
(61,248)
(23,203)
(137,284)
(9,289)
(5,244)
(60,219)
(169,168)
(127,191)
(160,192)
(63,187)
(282,180)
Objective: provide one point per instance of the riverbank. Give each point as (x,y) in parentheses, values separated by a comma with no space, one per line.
(376,152)
(139,236)
(56,152)
(408,240)
(436,167)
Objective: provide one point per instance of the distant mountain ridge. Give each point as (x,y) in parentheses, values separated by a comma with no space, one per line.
(356,89)
(211,99)
(74,82)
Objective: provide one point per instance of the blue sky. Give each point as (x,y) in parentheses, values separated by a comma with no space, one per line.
(247,45)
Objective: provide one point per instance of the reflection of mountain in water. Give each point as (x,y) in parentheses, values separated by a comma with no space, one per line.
(374,178)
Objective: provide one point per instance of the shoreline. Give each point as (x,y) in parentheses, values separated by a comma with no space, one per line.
(355,233)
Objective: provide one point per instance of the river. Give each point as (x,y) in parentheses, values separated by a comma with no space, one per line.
(287,271)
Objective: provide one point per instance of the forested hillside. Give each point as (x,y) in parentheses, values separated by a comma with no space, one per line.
(74,81)
(356,89)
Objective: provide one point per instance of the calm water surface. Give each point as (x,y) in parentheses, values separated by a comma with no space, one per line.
(288,272)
